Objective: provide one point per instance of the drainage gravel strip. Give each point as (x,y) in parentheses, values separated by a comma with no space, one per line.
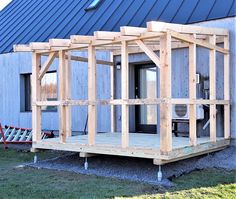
(139,170)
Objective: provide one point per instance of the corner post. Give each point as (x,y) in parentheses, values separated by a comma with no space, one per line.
(112,93)
(125,94)
(68,94)
(165,93)
(36,96)
(192,94)
(62,96)
(92,109)
(212,76)
(226,89)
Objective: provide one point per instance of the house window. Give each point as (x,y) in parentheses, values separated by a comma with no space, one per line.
(93,5)
(48,91)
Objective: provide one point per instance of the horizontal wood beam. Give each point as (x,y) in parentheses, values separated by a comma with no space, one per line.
(131,102)
(59,42)
(106,35)
(39,46)
(163,27)
(134,31)
(198,42)
(21,48)
(81,39)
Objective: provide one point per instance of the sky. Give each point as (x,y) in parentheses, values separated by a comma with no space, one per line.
(3,3)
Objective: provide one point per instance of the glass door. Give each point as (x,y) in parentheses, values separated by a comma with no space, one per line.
(145,87)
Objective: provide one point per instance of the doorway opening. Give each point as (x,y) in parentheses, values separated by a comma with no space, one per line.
(146,87)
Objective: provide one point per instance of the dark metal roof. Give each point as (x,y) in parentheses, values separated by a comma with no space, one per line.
(24,21)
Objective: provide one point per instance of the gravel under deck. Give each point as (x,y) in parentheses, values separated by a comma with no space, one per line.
(136,169)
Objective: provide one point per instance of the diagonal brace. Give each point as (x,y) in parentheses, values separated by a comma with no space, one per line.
(47,64)
(149,52)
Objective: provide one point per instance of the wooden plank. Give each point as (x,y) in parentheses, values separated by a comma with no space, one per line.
(68,93)
(62,85)
(92,109)
(84,59)
(198,42)
(149,52)
(226,89)
(36,96)
(190,29)
(21,48)
(192,94)
(47,64)
(39,46)
(80,39)
(59,42)
(212,76)
(112,93)
(124,94)
(165,92)
(133,31)
(106,35)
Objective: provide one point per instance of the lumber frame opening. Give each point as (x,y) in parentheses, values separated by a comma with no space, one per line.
(158,36)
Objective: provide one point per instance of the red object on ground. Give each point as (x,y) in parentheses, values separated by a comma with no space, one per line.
(3,137)
(47,134)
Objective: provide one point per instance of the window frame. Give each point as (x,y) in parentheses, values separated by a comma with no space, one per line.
(25,96)
(95,6)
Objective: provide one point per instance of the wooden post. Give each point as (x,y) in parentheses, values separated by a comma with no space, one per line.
(36,96)
(62,90)
(192,94)
(112,94)
(165,92)
(226,89)
(212,76)
(92,109)
(125,93)
(68,94)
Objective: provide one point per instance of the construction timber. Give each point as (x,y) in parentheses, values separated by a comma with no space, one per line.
(157,41)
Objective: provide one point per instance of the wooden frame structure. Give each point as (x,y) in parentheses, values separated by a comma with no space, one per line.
(158,36)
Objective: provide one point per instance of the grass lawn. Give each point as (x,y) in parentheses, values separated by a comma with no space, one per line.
(37,183)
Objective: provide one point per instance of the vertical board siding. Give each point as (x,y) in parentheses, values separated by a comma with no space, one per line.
(14,64)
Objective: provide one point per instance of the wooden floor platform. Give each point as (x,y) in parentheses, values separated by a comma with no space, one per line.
(140,145)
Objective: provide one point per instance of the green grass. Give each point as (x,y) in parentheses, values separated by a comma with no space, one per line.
(38,183)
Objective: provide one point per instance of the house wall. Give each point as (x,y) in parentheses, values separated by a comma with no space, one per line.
(180,78)
(12,65)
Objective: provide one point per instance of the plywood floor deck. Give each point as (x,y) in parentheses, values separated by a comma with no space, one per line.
(140,145)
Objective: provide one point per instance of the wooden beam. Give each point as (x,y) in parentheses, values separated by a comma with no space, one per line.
(84,59)
(68,93)
(152,55)
(192,94)
(92,109)
(132,31)
(165,92)
(80,39)
(39,46)
(36,96)
(124,94)
(198,42)
(21,48)
(59,42)
(190,29)
(47,65)
(106,35)
(212,76)
(112,93)
(226,89)
(62,85)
